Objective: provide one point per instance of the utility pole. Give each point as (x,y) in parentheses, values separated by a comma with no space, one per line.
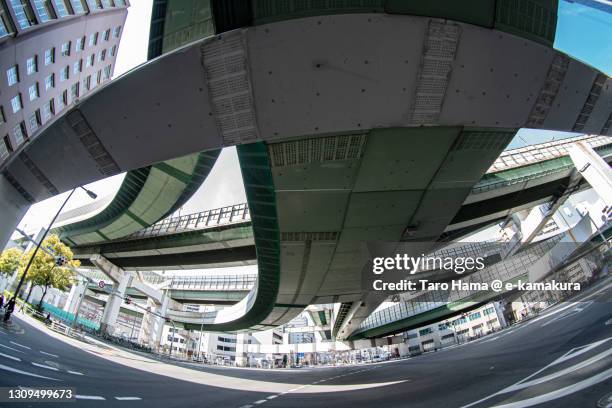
(27,268)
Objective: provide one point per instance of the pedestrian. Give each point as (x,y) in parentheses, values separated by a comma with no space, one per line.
(1,299)
(10,307)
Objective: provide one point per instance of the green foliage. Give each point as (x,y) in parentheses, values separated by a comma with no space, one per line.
(44,272)
(9,260)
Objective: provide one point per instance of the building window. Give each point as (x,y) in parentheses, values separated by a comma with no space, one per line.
(475,316)
(2,117)
(19,133)
(66,49)
(119,3)
(24,13)
(77,66)
(107,71)
(4,148)
(48,110)
(60,6)
(425,331)
(44,10)
(33,91)
(102,55)
(80,44)
(117,32)
(64,74)
(34,121)
(74,91)
(5,25)
(107,35)
(62,101)
(50,82)
(93,39)
(12,74)
(87,83)
(114,50)
(99,77)
(32,65)
(77,6)
(90,60)
(50,56)
(94,4)
(16,103)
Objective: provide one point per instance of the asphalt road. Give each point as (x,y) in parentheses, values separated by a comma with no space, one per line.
(560,359)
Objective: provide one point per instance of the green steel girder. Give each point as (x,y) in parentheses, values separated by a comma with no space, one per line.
(178,22)
(261,197)
(130,196)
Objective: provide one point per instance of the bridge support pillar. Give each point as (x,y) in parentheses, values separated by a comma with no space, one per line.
(153,322)
(594,169)
(113,304)
(76,292)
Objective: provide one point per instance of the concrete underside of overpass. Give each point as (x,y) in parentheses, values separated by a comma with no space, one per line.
(393,132)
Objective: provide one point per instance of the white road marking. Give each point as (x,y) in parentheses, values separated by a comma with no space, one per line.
(74,372)
(557,374)
(11,348)
(562,392)
(49,354)
(14,370)
(128,398)
(45,366)
(20,345)
(11,357)
(247,406)
(259,402)
(90,397)
(570,354)
(272,397)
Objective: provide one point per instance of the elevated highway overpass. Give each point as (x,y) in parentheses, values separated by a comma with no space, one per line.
(518,179)
(415,125)
(198,240)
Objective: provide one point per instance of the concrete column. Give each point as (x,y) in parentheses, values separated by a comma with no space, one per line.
(153,322)
(594,169)
(76,292)
(242,340)
(14,207)
(113,304)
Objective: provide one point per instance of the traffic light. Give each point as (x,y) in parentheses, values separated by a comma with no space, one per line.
(61,260)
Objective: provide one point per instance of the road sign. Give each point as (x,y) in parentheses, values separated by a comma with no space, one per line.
(101,284)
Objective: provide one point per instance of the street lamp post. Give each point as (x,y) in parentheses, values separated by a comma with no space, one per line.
(200,344)
(25,272)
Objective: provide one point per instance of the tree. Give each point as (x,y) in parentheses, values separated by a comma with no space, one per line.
(45,270)
(9,260)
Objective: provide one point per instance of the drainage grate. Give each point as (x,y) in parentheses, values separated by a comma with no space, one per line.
(25,159)
(13,181)
(317,150)
(483,140)
(439,51)
(590,102)
(226,68)
(548,93)
(93,145)
(309,236)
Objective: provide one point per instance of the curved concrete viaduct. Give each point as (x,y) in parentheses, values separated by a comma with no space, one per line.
(351,127)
